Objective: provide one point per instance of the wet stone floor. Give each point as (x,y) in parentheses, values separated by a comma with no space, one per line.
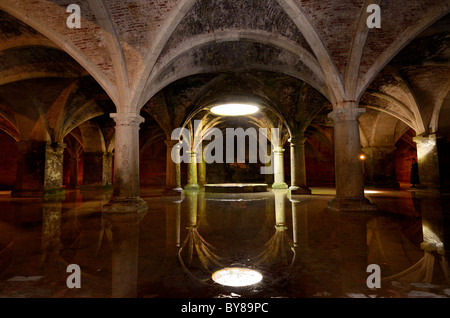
(301,249)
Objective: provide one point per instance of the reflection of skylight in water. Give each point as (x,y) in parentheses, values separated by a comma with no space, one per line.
(371,191)
(234,109)
(236,277)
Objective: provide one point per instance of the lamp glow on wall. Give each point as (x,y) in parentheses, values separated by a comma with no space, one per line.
(234,109)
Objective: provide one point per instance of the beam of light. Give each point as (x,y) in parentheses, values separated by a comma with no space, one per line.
(234,109)
(236,276)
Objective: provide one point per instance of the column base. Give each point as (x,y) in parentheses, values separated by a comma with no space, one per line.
(128,205)
(192,186)
(351,205)
(279,185)
(53,194)
(295,190)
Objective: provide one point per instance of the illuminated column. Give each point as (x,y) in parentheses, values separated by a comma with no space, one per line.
(202,172)
(53,173)
(126,192)
(173,169)
(298,168)
(428,160)
(278,162)
(192,171)
(348,167)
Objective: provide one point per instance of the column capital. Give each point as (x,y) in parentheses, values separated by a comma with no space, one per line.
(127,119)
(342,114)
(56,146)
(170,143)
(297,140)
(422,138)
(278,149)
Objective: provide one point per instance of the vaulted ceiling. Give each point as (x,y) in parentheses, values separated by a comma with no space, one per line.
(170,58)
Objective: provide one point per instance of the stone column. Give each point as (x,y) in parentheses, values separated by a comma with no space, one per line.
(202,172)
(298,167)
(93,169)
(348,167)
(379,166)
(428,160)
(192,171)
(30,169)
(53,174)
(73,183)
(173,169)
(278,162)
(107,169)
(126,193)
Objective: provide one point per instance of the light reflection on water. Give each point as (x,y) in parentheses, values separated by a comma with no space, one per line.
(172,250)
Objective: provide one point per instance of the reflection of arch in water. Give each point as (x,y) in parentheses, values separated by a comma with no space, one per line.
(433,262)
(388,245)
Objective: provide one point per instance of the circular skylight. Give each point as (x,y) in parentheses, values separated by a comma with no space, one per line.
(236,277)
(234,109)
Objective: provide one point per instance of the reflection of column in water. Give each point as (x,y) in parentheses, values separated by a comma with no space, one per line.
(433,266)
(125,235)
(280,217)
(194,242)
(173,214)
(280,245)
(300,225)
(193,204)
(201,221)
(51,230)
(353,250)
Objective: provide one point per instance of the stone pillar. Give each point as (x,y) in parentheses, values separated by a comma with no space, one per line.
(202,172)
(379,167)
(73,182)
(278,162)
(348,167)
(107,169)
(93,169)
(298,167)
(126,193)
(173,169)
(53,174)
(30,169)
(192,171)
(428,160)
